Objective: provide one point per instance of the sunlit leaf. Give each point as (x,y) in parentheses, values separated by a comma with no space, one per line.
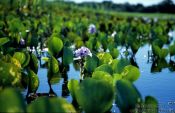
(131,73)
(105,58)
(33,63)
(20,56)
(101,75)
(33,82)
(10,75)
(55,45)
(72,86)
(106,68)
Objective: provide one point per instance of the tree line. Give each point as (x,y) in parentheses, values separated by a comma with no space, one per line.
(166,6)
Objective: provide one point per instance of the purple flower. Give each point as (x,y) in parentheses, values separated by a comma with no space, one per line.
(22,41)
(82,52)
(91,29)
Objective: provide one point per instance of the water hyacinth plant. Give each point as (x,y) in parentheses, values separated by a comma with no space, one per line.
(80,54)
(92,29)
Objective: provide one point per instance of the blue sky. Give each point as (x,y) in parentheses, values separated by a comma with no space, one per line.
(144,2)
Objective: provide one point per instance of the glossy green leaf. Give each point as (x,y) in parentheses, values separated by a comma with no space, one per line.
(72,86)
(67,56)
(172,50)
(53,70)
(20,56)
(3,41)
(114,53)
(127,96)
(12,101)
(53,65)
(33,82)
(101,75)
(50,105)
(10,75)
(163,53)
(55,45)
(131,73)
(118,66)
(114,65)
(95,95)
(106,68)
(27,59)
(105,58)
(91,63)
(116,77)
(33,63)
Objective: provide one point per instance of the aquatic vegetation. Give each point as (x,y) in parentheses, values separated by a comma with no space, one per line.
(53,38)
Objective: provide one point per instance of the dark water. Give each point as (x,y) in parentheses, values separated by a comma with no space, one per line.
(160,85)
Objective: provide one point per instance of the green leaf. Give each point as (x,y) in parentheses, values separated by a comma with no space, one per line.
(105,58)
(101,75)
(114,52)
(114,65)
(91,63)
(172,50)
(127,96)
(106,68)
(131,73)
(95,96)
(27,59)
(53,70)
(151,105)
(116,77)
(3,41)
(33,63)
(53,65)
(33,82)
(10,75)
(67,56)
(55,45)
(118,66)
(50,105)
(20,56)
(72,86)
(11,101)
(163,53)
